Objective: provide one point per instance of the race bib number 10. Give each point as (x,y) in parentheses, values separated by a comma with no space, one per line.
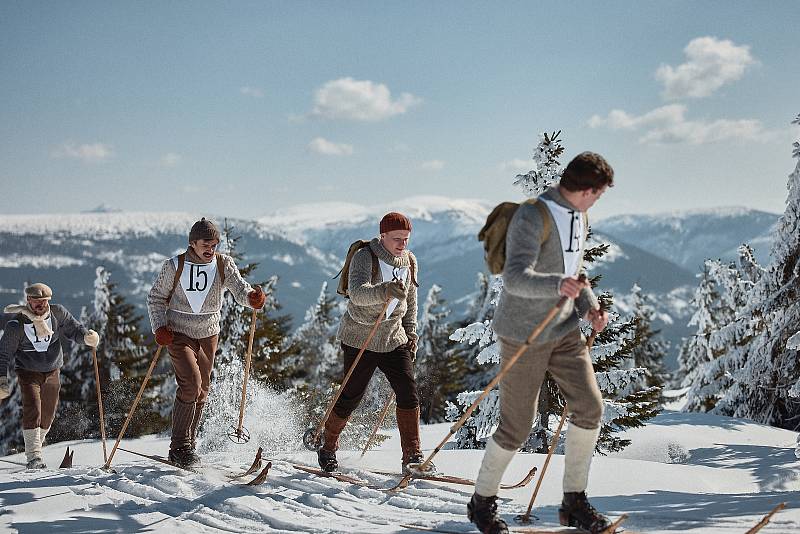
(40,343)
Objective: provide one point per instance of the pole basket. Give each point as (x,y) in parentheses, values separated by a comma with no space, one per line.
(311,441)
(237,435)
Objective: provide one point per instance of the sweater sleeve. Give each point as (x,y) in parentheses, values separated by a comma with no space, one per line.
(410,318)
(9,344)
(523,239)
(234,281)
(157,297)
(71,327)
(359,281)
(586,300)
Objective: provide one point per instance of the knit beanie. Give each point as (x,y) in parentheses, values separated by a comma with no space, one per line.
(39,291)
(203,229)
(394,221)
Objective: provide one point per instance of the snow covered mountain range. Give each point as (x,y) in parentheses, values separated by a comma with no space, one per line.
(304,245)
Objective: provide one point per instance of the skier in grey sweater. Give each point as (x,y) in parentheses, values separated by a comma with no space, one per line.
(540,270)
(32,341)
(184,306)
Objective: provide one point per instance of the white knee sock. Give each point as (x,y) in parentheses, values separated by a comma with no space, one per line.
(33,443)
(495,461)
(42,434)
(578,452)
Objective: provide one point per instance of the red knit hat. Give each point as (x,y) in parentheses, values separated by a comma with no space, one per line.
(394,221)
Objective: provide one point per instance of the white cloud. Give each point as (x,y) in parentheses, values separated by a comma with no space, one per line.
(88,153)
(710,64)
(255,92)
(321,145)
(359,100)
(668,125)
(432,165)
(516,165)
(170,160)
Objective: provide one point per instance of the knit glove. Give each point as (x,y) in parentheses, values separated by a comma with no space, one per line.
(394,289)
(91,338)
(411,347)
(4,390)
(256,298)
(164,336)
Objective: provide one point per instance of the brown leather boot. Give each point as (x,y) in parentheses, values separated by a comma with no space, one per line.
(408,425)
(330,442)
(198,413)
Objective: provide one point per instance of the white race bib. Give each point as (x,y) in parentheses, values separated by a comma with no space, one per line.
(196,281)
(389,272)
(572,233)
(40,344)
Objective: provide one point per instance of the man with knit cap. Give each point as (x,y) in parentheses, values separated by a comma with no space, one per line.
(32,340)
(384,270)
(184,306)
(539,270)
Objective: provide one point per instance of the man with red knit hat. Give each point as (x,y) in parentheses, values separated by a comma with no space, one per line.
(384,270)
(184,306)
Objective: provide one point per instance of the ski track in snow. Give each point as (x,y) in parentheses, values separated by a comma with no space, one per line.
(732,474)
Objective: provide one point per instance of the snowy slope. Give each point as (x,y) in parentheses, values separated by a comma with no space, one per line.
(729,474)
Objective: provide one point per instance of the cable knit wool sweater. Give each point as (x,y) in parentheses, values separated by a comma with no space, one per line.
(179,316)
(367,298)
(532,277)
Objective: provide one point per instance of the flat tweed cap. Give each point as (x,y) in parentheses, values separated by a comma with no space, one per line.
(203,229)
(39,291)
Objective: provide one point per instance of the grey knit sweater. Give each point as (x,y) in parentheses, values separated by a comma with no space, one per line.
(532,276)
(367,297)
(179,316)
(17,348)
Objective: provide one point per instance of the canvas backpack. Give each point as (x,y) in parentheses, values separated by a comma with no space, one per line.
(179,271)
(344,273)
(493,233)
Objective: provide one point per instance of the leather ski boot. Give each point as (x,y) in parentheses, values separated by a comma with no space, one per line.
(575,511)
(483,512)
(326,456)
(408,425)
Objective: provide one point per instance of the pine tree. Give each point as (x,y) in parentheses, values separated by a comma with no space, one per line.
(764,371)
(11,407)
(650,351)
(440,370)
(317,353)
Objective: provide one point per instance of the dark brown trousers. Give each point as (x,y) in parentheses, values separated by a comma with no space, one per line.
(39,397)
(398,367)
(192,360)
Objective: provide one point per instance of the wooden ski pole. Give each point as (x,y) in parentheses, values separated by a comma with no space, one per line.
(321,425)
(247,359)
(380,422)
(511,361)
(761,524)
(526,517)
(133,407)
(100,403)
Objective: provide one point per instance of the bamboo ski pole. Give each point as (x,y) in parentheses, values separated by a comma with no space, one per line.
(247,359)
(380,422)
(100,403)
(526,517)
(321,425)
(133,407)
(531,338)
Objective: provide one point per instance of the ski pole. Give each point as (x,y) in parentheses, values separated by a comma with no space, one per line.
(133,407)
(310,440)
(100,403)
(526,517)
(247,359)
(380,422)
(511,361)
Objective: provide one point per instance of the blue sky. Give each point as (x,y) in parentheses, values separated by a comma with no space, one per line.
(241,108)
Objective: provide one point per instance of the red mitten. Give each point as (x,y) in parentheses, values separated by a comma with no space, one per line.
(164,336)
(256,298)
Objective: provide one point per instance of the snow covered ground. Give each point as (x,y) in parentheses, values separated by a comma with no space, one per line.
(683,473)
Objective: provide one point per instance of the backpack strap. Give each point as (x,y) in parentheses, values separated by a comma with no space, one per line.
(376,266)
(178,272)
(220,268)
(547,219)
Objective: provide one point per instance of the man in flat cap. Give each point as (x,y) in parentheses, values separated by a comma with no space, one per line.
(184,306)
(382,270)
(32,341)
